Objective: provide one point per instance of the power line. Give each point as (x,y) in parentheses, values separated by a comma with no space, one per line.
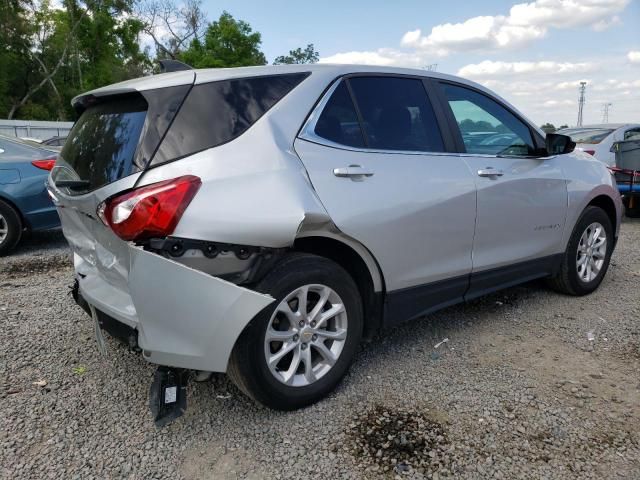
(605,112)
(583,87)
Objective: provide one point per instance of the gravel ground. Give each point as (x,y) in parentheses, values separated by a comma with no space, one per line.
(530,384)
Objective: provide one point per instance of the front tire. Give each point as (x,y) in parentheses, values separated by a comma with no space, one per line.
(297,349)
(10,228)
(588,253)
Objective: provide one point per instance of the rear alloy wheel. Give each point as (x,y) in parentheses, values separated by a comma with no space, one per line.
(297,349)
(10,228)
(306,335)
(586,259)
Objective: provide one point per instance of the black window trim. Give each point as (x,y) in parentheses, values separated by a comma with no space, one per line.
(307,131)
(538,140)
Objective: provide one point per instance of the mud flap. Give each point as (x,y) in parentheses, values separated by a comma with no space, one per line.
(168,394)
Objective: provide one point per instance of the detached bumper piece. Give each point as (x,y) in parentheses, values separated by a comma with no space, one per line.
(118,330)
(168,395)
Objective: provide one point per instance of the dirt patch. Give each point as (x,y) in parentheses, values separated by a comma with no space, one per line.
(399,440)
(30,265)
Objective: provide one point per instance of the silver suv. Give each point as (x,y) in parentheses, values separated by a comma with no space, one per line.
(262,221)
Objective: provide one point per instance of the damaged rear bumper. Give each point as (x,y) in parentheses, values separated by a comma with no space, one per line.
(177,316)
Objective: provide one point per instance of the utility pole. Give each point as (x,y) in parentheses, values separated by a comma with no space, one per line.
(605,112)
(583,87)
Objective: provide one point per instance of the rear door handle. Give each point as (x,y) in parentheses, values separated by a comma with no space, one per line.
(352,171)
(490,172)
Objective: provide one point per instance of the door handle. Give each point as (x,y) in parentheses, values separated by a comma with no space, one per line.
(352,171)
(490,172)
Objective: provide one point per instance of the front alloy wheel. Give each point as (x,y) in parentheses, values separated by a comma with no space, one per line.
(592,251)
(586,259)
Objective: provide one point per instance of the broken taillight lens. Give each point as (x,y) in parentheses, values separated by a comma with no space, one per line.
(150,211)
(45,164)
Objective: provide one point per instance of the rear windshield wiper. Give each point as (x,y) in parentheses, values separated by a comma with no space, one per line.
(73,184)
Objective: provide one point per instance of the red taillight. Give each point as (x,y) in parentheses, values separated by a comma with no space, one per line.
(150,211)
(590,152)
(46,164)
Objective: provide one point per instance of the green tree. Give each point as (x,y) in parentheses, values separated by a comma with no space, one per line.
(227,43)
(15,43)
(79,47)
(548,127)
(308,55)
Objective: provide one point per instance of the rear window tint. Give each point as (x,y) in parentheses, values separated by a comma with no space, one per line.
(101,146)
(396,114)
(218,112)
(339,120)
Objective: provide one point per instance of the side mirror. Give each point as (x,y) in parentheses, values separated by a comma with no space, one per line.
(558,144)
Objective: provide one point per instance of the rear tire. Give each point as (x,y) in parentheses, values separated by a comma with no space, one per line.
(10,228)
(320,339)
(586,259)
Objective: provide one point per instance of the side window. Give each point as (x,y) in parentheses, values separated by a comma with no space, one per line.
(633,134)
(218,112)
(487,127)
(397,114)
(339,121)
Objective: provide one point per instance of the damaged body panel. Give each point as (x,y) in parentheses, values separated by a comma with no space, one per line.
(261,221)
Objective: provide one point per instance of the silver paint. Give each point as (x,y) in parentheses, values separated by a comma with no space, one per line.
(420,217)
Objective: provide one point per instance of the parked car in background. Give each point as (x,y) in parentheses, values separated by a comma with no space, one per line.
(260,221)
(31,140)
(54,141)
(24,202)
(597,140)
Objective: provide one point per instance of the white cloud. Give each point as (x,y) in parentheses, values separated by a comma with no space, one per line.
(382,56)
(496,68)
(605,24)
(634,56)
(524,23)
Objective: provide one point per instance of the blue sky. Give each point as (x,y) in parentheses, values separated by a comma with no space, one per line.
(532,53)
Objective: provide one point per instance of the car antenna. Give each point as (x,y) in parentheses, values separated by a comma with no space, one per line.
(168,65)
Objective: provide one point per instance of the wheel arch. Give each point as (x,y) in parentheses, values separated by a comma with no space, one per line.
(23,221)
(607,204)
(359,263)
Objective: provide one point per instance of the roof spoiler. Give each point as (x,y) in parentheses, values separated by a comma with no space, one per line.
(169,65)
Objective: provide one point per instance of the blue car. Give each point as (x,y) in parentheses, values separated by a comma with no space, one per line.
(24,202)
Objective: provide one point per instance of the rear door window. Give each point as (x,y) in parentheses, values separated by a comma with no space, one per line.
(487,127)
(396,114)
(338,122)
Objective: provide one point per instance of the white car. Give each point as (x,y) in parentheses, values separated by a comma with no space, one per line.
(597,140)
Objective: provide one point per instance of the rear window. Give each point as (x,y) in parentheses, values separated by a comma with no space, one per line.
(591,136)
(101,146)
(218,112)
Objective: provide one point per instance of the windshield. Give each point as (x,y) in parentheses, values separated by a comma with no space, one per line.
(101,146)
(587,135)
